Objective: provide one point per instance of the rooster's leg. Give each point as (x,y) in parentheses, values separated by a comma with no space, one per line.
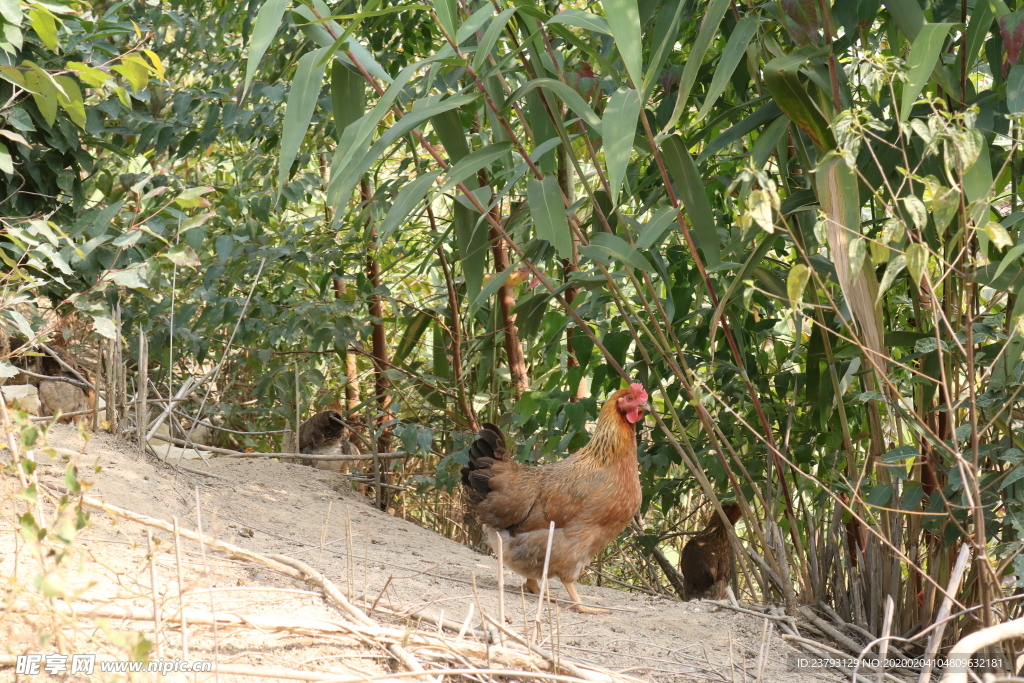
(531,586)
(570,588)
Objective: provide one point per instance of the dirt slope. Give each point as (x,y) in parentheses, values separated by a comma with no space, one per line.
(278,507)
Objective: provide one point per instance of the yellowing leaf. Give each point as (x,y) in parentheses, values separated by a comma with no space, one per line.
(122,95)
(44,93)
(193,197)
(134,70)
(14,137)
(894,268)
(879,252)
(998,235)
(915,207)
(91,75)
(13,75)
(917,261)
(858,252)
(6,164)
(42,22)
(796,282)
(759,206)
(182,255)
(72,100)
(158,66)
(944,206)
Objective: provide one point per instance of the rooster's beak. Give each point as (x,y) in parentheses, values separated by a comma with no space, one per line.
(646,406)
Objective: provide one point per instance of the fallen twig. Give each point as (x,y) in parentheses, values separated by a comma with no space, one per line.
(227,452)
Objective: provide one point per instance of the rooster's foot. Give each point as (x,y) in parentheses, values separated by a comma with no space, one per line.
(570,588)
(589,610)
(531,586)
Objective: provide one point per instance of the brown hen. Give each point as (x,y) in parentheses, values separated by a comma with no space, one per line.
(706,562)
(326,433)
(590,496)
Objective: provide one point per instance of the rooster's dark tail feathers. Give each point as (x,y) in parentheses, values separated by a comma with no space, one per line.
(488,448)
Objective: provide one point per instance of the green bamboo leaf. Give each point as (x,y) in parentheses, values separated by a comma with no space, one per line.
(581,19)
(666,30)
(618,129)
(472,238)
(1008,260)
(908,16)
(917,261)
(413,331)
(900,454)
(744,274)
(977,180)
(492,287)
(468,166)
(977,32)
(655,228)
(924,55)
(548,212)
(473,24)
(782,76)
(707,32)
(408,199)
(572,98)
(305,90)
(687,179)
(348,96)
(796,283)
(471,235)
(766,142)
(268,19)
(1015,89)
(312,28)
(347,175)
(733,53)
(604,245)
(447,15)
(770,282)
(490,39)
(767,114)
(355,140)
(624,20)
(894,268)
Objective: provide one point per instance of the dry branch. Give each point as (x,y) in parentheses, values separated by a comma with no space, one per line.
(227,452)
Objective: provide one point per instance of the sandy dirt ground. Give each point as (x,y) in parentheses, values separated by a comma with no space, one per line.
(277,507)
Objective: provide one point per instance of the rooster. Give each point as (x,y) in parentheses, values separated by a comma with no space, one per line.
(706,561)
(590,496)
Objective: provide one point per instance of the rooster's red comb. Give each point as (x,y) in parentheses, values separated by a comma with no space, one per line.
(639,391)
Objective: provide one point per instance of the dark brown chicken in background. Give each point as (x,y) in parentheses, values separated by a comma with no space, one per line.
(591,496)
(326,434)
(706,562)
